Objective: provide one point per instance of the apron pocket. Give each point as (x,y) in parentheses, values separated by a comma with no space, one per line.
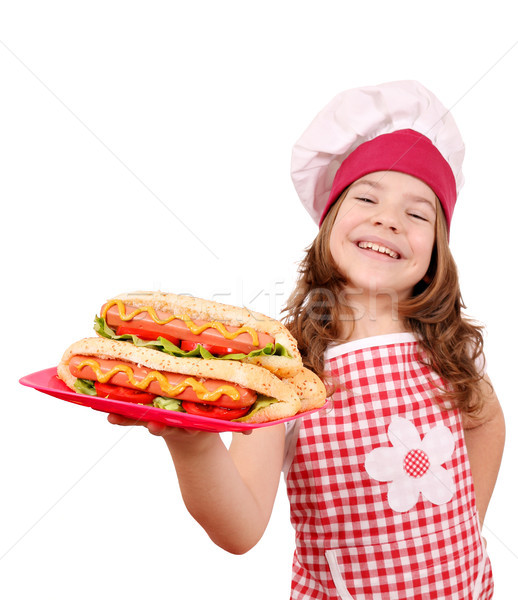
(336,574)
(432,566)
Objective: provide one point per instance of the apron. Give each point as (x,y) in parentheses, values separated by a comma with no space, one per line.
(380,488)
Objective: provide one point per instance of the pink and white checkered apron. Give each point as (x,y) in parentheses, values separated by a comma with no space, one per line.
(381,513)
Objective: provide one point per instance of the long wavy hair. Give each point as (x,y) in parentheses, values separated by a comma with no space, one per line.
(452,343)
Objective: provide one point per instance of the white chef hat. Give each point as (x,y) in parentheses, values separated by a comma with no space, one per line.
(397,126)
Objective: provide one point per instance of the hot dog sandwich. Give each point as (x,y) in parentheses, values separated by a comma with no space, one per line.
(185,326)
(218,389)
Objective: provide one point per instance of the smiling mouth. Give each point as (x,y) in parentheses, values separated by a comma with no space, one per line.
(378,248)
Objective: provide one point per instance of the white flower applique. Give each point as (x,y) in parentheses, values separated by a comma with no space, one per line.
(413,466)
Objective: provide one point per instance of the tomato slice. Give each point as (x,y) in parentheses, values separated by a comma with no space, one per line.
(145,334)
(214,412)
(215,350)
(117,392)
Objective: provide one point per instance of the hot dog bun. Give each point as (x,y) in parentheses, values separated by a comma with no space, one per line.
(207,310)
(310,389)
(246,375)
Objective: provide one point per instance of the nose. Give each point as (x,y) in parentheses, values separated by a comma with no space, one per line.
(388,218)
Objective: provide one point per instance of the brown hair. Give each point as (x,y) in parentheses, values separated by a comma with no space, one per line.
(453,343)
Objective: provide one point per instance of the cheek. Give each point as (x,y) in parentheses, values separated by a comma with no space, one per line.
(333,243)
(338,241)
(334,236)
(334,250)
(346,221)
(423,254)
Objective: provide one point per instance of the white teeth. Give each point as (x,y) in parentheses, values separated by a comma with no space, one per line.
(378,248)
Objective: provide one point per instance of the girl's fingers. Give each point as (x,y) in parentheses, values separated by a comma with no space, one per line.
(120,420)
(158,429)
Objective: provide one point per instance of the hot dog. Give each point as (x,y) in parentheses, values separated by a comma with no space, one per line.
(237,390)
(185,326)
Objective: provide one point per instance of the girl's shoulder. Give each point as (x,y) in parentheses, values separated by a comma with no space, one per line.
(389,339)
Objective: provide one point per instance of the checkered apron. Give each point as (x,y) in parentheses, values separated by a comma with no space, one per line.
(350,542)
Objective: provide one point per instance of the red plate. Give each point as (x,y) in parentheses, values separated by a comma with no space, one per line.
(47,382)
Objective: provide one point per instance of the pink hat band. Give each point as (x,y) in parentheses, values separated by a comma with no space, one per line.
(405,151)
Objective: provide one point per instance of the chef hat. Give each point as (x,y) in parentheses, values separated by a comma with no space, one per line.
(396,126)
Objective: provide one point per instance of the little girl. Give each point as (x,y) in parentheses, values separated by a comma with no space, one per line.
(390,484)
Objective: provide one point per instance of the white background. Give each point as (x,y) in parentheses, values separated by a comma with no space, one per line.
(146,145)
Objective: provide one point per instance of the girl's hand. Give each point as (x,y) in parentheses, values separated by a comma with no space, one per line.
(158,429)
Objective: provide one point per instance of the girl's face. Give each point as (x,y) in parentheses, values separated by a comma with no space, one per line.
(384,233)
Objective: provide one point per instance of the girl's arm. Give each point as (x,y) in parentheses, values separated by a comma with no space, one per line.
(485,436)
(229,492)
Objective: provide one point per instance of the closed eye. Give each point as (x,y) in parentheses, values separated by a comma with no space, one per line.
(418,217)
(365,200)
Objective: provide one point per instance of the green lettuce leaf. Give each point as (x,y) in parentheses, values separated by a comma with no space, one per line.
(260,403)
(104,330)
(85,386)
(168,403)
(176,405)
